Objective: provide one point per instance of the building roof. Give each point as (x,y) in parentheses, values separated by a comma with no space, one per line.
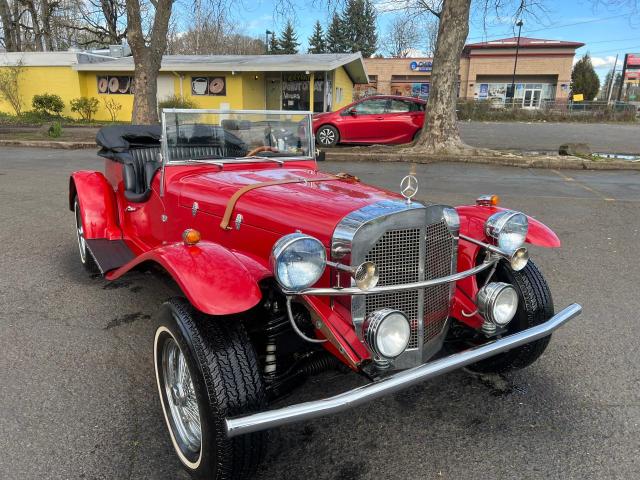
(352,62)
(525,42)
(39,59)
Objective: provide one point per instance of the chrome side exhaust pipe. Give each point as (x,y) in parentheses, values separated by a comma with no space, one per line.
(338,403)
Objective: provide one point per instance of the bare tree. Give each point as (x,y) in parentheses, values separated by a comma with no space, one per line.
(9,26)
(401,37)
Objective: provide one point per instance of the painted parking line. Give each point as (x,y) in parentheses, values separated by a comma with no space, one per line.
(580,184)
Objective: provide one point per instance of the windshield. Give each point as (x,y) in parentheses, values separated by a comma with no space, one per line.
(210,135)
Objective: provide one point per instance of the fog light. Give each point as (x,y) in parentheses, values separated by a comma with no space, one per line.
(519,259)
(366,275)
(387,332)
(498,303)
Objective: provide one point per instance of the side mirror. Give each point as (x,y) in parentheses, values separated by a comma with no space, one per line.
(320,155)
(353,112)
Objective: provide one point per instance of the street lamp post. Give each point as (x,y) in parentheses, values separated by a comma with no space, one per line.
(519,24)
(266,39)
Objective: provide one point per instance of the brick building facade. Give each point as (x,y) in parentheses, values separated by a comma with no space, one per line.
(543,72)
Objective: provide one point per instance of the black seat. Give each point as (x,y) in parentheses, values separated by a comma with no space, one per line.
(143,163)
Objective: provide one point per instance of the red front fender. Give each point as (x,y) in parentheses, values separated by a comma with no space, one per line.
(472,218)
(213,279)
(97,204)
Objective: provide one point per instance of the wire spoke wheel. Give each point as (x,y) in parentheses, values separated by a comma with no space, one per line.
(82,244)
(181,397)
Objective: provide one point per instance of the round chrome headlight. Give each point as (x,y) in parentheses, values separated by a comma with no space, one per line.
(298,261)
(508,228)
(498,303)
(387,332)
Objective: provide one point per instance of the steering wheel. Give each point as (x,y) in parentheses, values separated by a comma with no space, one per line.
(263,148)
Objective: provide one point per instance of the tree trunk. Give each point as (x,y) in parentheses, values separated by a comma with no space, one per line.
(440,133)
(147,59)
(8,26)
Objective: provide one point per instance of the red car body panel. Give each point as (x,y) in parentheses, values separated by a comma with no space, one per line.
(388,128)
(221,274)
(97,204)
(214,291)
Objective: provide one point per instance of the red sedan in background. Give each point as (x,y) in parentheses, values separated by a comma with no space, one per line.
(377,119)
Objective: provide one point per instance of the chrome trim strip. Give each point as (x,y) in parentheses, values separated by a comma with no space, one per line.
(396,288)
(352,398)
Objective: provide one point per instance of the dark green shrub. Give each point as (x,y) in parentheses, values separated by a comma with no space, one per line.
(55,130)
(48,104)
(176,102)
(86,107)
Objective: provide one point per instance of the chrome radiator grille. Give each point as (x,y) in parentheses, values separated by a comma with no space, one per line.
(437,264)
(398,255)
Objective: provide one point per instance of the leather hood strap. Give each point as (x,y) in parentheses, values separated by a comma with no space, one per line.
(224,224)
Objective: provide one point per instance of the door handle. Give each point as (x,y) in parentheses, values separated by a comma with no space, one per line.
(379,118)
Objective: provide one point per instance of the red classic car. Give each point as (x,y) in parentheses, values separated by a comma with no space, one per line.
(286,271)
(377,119)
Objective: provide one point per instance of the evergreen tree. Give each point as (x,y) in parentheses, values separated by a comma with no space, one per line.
(359,25)
(584,78)
(288,40)
(274,45)
(335,40)
(316,40)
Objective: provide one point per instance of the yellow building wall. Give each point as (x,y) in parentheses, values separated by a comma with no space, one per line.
(342,80)
(253,91)
(232,99)
(62,81)
(89,88)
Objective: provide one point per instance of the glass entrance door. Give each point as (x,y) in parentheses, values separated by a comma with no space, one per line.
(531,98)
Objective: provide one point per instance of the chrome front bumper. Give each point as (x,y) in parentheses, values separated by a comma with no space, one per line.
(338,403)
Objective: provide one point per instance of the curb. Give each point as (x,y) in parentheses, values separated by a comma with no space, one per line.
(49,144)
(568,162)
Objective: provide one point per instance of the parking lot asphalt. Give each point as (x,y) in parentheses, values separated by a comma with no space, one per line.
(78,394)
(548,136)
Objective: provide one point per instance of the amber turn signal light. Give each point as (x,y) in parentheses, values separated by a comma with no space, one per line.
(190,236)
(488,200)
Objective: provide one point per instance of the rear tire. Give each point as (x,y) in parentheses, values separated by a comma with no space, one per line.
(327,136)
(535,307)
(222,380)
(86,258)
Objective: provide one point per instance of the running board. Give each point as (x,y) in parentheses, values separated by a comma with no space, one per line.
(109,254)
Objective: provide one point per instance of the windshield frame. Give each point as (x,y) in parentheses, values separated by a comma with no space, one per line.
(165,149)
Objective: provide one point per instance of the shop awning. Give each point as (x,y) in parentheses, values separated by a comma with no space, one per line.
(352,63)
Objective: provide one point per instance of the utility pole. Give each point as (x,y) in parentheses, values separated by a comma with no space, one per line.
(612,81)
(519,24)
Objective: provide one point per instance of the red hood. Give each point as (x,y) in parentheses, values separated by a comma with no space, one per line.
(313,208)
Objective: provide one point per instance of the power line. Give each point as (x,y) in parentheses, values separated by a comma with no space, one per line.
(554,27)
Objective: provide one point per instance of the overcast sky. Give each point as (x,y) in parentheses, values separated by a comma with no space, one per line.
(605,31)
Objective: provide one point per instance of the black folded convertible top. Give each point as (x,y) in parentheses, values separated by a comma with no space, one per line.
(121,138)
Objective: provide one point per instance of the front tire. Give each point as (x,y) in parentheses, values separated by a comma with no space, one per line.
(327,136)
(207,370)
(535,307)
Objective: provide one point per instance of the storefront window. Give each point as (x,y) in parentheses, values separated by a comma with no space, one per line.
(295,91)
(499,92)
(115,85)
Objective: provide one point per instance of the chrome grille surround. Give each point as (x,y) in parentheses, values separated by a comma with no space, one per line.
(408,243)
